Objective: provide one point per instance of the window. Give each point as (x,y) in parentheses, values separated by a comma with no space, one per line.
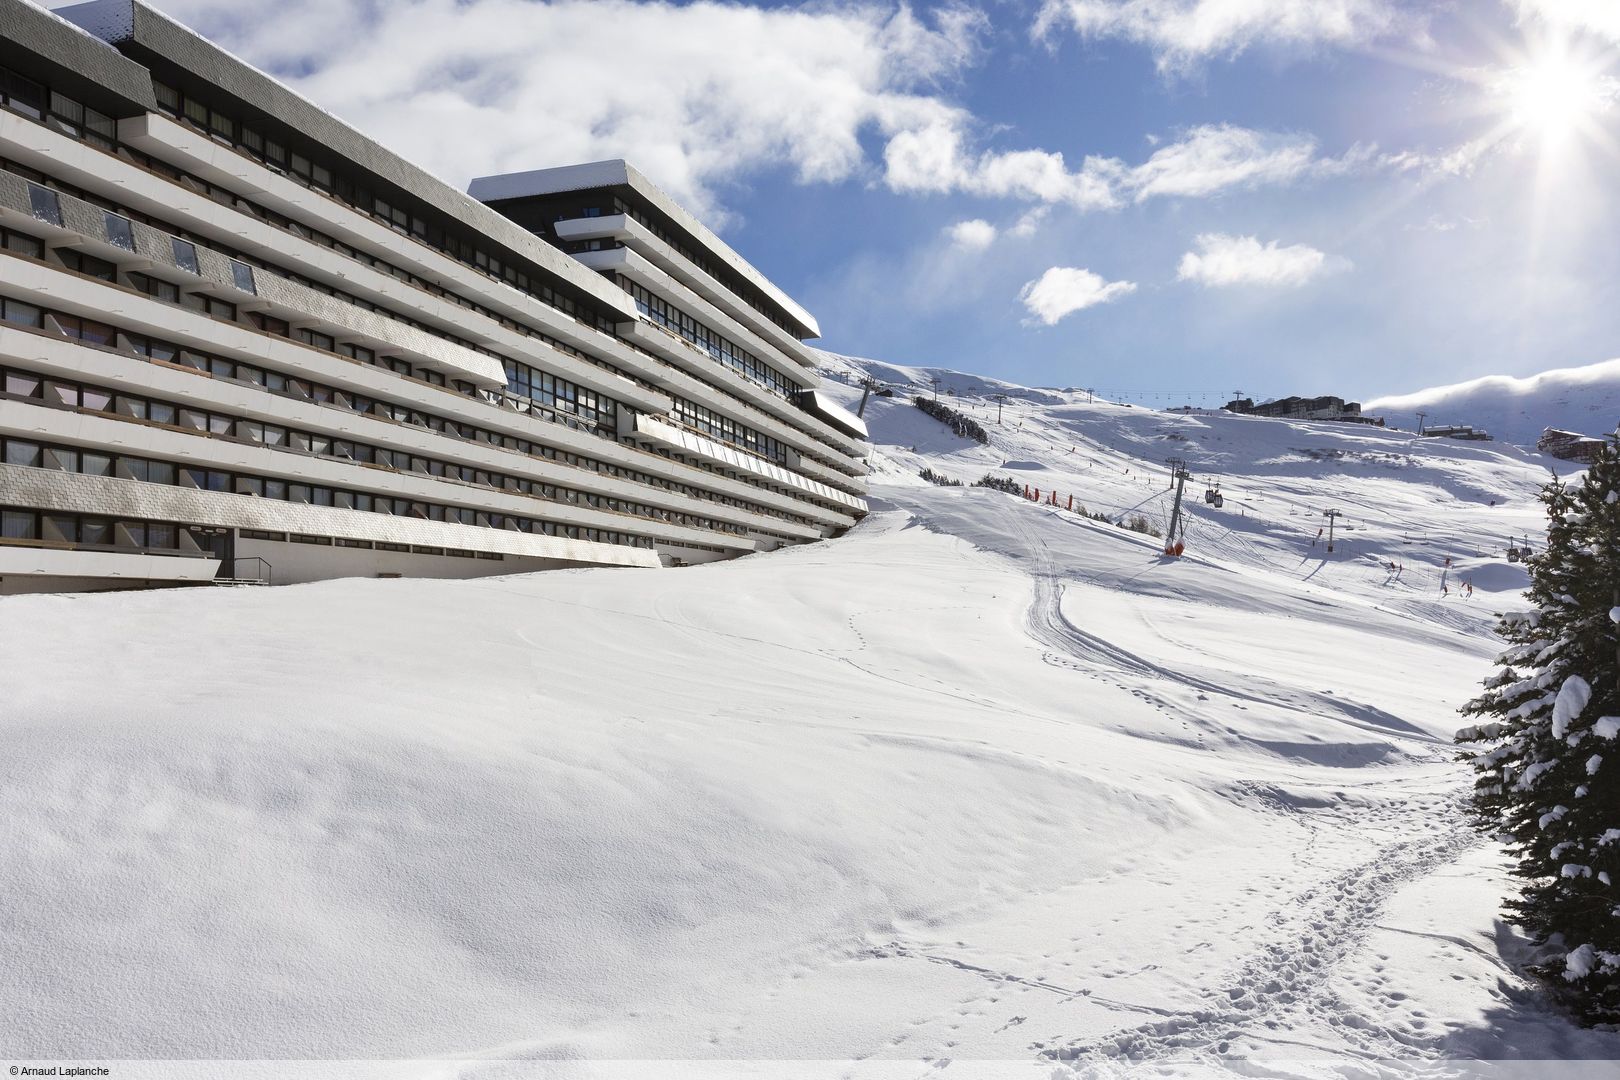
(100,129)
(21,384)
(167,291)
(23,95)
(120,233)
(270,324)
(14,311)
(219,309)
(89,265)
(45,205)
(19,452)
(185,255)
(317,339)
(242,277)
(86,330)
(19,525)
(23,244)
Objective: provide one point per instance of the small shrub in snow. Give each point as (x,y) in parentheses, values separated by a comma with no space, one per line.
(937,478)
(965,426)
(1138,523)
(1548,769)
(1001,483)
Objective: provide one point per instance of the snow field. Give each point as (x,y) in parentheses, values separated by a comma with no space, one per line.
(981,785)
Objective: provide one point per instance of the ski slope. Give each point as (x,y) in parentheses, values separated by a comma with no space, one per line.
(1582,399)
(982,785)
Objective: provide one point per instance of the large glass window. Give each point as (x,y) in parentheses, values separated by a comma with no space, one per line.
(19,525)
(15,311)
(22,452)
(23,244)
(88,265)
(185,255)
(24,95)
(45,205)
(120,232)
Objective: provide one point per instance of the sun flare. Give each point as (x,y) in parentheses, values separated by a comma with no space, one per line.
(1555,95)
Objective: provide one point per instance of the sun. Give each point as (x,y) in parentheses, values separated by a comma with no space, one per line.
(1555,94)
(1553,98)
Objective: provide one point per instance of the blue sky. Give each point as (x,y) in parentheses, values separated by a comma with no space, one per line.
(1172,197)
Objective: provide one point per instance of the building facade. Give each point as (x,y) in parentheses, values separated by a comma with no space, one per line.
(240,340)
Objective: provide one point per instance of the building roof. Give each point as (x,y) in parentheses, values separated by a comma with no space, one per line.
(144,34)
(72,58)
(620,173)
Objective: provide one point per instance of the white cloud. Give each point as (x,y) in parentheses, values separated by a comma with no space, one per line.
(975,235)
(932,159)
(702,96)
(1224,260)
(697,95)
(1030,221)
(1182,32)
(1063,290)
(1213,158)
(1204,161)
(1598,16)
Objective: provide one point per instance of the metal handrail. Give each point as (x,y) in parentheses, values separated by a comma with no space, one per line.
(268,576)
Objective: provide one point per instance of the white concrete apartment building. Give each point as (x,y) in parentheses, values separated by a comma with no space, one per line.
(239,340)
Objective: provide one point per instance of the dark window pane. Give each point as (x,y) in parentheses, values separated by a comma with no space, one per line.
(18,525)
(24,244)
(19,452)
(120,232)
(15,311)
(25,95)
(185,255)
(45,205)
(60,527)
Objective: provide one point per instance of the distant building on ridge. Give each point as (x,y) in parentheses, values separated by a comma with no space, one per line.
(1300,408)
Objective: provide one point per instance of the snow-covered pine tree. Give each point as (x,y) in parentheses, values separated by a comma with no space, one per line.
(1547,752)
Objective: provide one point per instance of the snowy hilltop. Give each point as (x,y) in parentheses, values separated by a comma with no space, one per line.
(1582,399)
(987,783)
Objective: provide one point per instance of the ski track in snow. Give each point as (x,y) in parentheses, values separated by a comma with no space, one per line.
(1289,978)
(1288,982)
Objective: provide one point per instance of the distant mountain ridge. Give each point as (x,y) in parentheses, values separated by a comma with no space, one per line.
(1582,399)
